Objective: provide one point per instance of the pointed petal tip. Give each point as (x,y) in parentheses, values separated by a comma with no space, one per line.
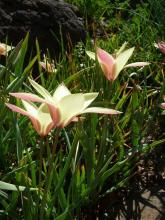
(137,64)
(101,110)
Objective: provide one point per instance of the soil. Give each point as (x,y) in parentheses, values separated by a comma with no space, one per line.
(144,199)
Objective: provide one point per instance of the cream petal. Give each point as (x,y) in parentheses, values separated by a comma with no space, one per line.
(137,64)
(46,123)
(122,48)
(101,110)
(121,60)
(60,92)
(41,90)
(89,98)
(70,106)
(162,105)
(91,54)
(30,107)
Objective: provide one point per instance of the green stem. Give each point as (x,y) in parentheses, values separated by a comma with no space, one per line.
(49,174)
(41,144)
(68,162)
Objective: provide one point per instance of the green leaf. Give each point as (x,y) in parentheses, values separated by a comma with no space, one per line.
(19,61)
(63,216)
(135,132)
(115,168)
(18,81)
(12,187)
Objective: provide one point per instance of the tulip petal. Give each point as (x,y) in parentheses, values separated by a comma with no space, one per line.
(122,48)
(161,47)
(89,98)
(28,97)
(45,120)
(33,119)
(4,49)
(19,110)
(156,45)
(162,105)
(70,106)
(49,67)
(101,111)
(107,63)
(30,107)
(54,112)
(41,90)
(137,64)
(91,54)
(121,60)
(60,92)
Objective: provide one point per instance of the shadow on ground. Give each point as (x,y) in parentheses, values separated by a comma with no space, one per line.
(146,205)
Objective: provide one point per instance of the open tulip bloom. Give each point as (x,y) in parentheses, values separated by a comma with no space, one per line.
(63,106)
(112,66)
(40,117)
(4,49)
(46,65)
(160,46)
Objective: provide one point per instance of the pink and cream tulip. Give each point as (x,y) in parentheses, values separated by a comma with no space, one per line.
(46,65)
(40,117)
(160,46)
(162,105)
(4,49)
(113,65)
(64,107)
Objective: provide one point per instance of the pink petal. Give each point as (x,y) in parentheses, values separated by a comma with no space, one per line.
(54,112)
(34,120)
(28,97)
(137,64)
(107,62)
(161,47)
(17,109)
(46,66)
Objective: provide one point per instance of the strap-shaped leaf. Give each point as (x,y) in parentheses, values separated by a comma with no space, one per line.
(12,187)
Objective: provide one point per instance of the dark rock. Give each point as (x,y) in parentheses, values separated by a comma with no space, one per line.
(44,19)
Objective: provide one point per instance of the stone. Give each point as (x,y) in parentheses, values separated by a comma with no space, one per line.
(44,19)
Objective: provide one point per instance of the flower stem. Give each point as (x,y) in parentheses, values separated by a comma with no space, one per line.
(49,174)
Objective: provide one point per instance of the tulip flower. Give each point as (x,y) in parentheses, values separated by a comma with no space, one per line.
(46,65)
(113,65)
(40,117)
(64,107)
(160,46)
(4,49)
(162,105)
